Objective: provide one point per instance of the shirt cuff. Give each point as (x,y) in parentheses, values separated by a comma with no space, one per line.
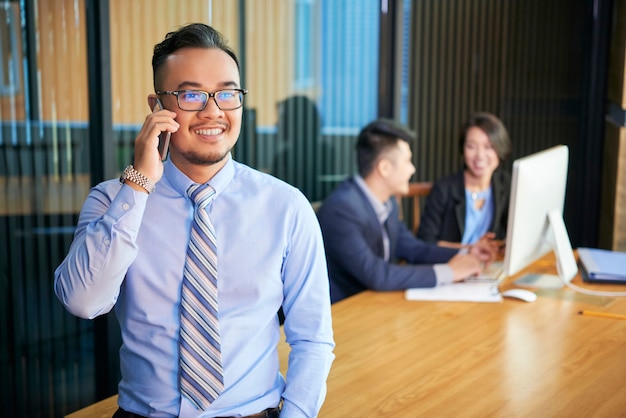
(290,410)
(443,274)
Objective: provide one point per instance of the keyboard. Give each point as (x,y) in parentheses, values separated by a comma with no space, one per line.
(493,273)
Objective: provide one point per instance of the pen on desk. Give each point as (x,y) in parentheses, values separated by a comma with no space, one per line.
(602,314)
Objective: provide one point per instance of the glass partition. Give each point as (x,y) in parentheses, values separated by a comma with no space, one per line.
(310,67)
(47,355)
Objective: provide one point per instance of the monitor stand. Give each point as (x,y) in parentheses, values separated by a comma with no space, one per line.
(565,261)
(540,281)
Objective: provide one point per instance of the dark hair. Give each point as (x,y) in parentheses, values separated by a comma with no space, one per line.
(376,138)
(194,35)
(493,128)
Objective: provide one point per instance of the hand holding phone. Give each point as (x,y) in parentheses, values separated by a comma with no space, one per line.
(164,137)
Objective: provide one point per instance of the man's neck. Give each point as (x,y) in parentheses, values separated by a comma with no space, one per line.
(378,188)
(200,173)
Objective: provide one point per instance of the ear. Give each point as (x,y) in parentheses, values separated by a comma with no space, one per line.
(383,167)
(152,101)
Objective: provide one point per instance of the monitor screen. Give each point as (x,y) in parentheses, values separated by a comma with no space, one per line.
(535,222)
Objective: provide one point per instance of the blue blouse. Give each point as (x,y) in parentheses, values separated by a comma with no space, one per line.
(477,221)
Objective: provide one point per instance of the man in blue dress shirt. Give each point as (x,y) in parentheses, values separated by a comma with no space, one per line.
(130,247)
(363,235)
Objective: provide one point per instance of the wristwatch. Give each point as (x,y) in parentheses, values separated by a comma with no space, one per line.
(136,177)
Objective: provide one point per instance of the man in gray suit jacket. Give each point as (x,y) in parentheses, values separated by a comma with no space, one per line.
(363,236)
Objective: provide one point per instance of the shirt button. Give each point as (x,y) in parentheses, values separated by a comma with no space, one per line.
(107,242)
(125,206)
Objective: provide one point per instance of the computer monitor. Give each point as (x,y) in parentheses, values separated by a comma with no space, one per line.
(535,222)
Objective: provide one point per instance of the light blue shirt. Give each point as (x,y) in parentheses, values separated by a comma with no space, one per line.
(477,220)
(129,251)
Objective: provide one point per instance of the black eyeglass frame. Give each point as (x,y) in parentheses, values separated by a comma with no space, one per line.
(176,93)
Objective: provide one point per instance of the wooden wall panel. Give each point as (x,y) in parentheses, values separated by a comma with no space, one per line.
(525,61)
(136,26)
(616,92)
(459,66)
(61,64)
(612,223)
(612,226)
(269,54)
(267,61)
(12,105)
(62,61)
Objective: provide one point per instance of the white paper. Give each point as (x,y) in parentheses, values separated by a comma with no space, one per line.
(457,292)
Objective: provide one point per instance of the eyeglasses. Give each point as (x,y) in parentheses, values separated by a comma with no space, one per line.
(196,100)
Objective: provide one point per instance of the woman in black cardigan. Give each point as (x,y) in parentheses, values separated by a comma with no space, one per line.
(472,203)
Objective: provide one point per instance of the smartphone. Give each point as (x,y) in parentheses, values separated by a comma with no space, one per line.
(164,137)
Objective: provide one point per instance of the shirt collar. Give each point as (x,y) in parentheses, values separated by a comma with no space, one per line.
(181,182)
(382,210)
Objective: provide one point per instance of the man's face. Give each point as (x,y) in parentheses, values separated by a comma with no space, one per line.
(401,168)
(205,136)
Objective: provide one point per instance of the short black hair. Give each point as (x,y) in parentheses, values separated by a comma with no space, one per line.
(377,138)
(193,35)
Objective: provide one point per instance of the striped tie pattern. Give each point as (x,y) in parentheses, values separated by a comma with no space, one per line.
(201,378)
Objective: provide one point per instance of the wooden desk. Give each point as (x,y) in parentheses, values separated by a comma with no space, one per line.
(401,358)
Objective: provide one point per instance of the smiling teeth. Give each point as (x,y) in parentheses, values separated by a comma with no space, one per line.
(209,132)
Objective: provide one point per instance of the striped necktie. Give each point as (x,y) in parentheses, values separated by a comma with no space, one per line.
(201,378)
